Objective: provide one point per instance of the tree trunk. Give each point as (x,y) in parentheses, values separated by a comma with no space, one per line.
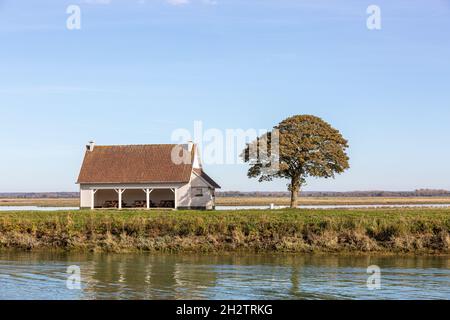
(295,188)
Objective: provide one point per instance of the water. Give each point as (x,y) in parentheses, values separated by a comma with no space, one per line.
(223,208)
(35,208)
(25,275)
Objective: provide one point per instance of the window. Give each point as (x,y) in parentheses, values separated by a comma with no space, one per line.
(197,192)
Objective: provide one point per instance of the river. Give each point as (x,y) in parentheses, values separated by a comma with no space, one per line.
(26,275)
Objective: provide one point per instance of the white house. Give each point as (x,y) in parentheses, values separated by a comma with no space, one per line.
(145,176)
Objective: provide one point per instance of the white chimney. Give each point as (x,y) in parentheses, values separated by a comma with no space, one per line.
(90,147)
(190,145)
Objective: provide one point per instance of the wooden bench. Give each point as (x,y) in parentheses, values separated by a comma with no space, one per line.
(140,204)
(167,204)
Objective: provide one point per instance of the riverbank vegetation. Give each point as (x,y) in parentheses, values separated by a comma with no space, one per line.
(418,231)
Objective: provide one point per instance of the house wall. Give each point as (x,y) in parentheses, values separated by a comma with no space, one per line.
(187,198)
(85,197)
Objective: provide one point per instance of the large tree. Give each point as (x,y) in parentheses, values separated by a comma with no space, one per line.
(308,147)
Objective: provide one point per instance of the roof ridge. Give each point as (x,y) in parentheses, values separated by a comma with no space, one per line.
(140,145)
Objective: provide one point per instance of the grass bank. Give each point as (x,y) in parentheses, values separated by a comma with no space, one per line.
(419,231)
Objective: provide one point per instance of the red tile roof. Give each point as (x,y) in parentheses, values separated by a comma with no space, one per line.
(133,164)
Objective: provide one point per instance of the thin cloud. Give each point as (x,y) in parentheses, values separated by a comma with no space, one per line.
(48,89)
(186,2)
(104,2)
(210,2)
(178,2)
(170,2)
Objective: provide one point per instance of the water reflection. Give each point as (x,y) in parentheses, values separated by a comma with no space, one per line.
(145,276)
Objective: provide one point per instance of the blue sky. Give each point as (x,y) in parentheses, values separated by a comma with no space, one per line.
(137,70)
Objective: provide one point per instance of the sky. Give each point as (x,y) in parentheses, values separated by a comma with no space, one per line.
(137,71)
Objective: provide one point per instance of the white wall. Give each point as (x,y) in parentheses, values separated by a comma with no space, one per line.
(187,199)
(85,197)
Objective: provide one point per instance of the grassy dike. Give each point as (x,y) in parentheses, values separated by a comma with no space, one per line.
(419,231)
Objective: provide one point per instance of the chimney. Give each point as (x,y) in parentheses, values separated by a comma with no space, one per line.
(190,145)
(90,146)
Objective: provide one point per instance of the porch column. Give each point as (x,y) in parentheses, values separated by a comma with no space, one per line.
(175,192)
(93,192)
(148,192)
(120,192)
(176,198)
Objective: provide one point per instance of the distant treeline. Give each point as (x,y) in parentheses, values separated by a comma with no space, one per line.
(416,193)
(39,195)
(257,194)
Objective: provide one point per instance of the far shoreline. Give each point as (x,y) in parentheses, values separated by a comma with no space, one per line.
(252,201)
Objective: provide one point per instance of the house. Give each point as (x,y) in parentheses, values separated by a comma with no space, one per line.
(145,176)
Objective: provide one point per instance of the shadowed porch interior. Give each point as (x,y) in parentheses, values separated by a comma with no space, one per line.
(134,198)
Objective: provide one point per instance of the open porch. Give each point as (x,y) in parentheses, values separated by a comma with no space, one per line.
(133,198)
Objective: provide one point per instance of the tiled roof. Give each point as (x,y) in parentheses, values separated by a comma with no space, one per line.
(133,164)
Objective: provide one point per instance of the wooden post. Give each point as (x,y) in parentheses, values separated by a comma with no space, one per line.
(120,192)
(148,192)
(175,192)
(120,199)
(93,192)
(176,198)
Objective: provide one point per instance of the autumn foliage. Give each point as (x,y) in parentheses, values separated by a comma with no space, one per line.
(308,147)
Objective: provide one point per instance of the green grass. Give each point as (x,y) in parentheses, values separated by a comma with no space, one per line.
(369,230)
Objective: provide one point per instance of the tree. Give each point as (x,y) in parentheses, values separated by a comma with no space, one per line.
(308,147)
